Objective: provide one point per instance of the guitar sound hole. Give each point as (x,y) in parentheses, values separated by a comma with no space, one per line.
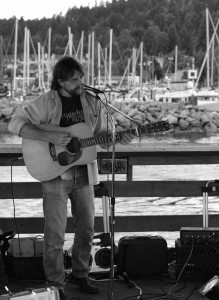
(74,145)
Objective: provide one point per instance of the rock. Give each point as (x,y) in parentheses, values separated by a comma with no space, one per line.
(4,104)
(210,128)
(184,113)
(197,129)
(132,112)
(171,119)
(142,108)
(153,110)
(123,121)
(183,124)
(196,122)
(7,111)
(205,119)
(138,119)
(150,118)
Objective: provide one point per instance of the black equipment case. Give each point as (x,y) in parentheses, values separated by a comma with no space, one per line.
(142,255)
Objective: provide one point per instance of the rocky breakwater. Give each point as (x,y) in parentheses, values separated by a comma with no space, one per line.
(7,108)
(181,117)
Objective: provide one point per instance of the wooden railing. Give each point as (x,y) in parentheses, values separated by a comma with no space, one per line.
(145,154)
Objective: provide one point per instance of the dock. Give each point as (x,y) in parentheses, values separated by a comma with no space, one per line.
(156,287)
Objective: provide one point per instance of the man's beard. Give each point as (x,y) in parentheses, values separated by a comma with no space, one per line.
(75,92)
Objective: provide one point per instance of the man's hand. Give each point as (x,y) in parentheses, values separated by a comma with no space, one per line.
(30,131)
(59,138)
(127,138)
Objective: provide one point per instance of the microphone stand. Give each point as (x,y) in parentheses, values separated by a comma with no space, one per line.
(112,207)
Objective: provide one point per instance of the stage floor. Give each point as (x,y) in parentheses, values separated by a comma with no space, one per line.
(148,288)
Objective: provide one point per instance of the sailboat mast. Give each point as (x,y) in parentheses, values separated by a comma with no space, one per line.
(212,64)
(70,40)
(25,58)
(1,58)
(39,65)
(176,61)
(110,57)
(207,46)
(15,54)
(105,67)
(49,59)
(92,60)
(141,65)
(28,57)
(98,50)
(88,61)
(82,47)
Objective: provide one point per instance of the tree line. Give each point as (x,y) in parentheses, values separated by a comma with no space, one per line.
(159,24)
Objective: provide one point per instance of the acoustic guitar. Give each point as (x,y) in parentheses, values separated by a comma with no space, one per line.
(45,161)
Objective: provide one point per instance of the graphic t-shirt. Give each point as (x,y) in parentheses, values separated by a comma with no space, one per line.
(72,111)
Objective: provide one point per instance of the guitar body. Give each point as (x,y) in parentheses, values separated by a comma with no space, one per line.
(45,161)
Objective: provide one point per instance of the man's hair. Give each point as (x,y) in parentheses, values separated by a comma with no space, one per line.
(65,69)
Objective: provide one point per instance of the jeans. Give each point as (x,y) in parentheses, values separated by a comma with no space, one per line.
(55,197)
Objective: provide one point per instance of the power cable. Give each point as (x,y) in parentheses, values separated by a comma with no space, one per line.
(14,214)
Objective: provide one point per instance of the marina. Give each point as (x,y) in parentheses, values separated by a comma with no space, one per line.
(156,221)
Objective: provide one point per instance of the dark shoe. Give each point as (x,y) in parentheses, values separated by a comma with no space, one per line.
(62,295)
(84,284)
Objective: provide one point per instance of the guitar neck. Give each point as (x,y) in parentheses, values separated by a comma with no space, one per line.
(160,126)
(106,138)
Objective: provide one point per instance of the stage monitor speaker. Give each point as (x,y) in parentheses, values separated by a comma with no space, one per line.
(142,255)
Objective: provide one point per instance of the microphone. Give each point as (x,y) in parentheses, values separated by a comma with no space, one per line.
(91,89)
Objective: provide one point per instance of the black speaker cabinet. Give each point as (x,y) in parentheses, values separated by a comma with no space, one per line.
(142,255)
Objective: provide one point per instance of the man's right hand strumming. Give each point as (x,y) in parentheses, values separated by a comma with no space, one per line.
(59,138)
(30,131)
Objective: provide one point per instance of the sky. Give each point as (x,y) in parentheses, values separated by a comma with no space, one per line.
(37,9)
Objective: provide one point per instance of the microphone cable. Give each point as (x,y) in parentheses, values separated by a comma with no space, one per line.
(13,200)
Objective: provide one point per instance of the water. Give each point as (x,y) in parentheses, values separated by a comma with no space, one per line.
(127,206)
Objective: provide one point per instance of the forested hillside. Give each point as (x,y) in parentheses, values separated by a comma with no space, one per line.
(159,24)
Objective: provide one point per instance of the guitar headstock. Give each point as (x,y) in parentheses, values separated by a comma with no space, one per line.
(160,126)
